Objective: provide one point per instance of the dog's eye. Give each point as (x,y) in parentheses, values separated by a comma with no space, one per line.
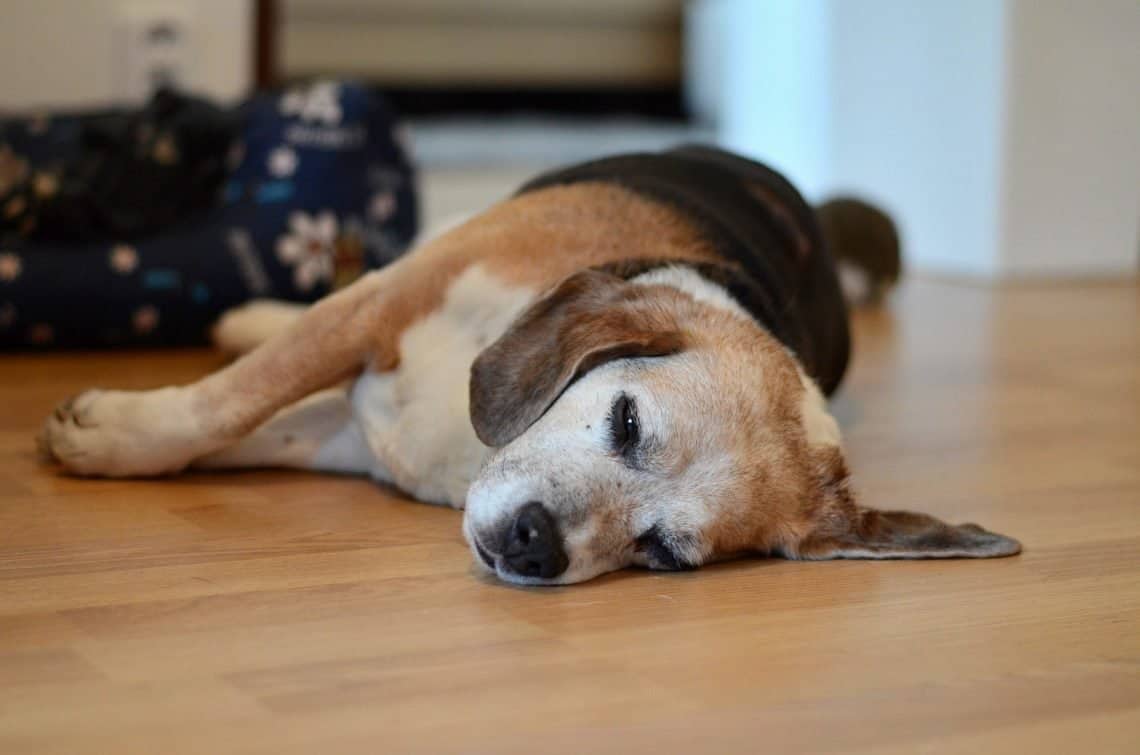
(658,554)
(624,430)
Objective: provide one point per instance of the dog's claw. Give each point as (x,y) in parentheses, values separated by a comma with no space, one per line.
(64,410)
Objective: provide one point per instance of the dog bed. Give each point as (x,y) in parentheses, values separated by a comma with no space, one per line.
(315,187)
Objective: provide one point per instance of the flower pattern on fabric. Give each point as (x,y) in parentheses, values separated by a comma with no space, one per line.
(15,207)
(41,333)
(165,150)
(319,103)
(10,267)
(123,259)
(145,319)
(317,192)
(382,206)
(282,162)
(13,169)
(309,248)
(45,185)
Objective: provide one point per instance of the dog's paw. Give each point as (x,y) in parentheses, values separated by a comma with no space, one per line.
(121,434)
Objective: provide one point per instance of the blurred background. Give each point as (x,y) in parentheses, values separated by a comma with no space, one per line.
(1003,135)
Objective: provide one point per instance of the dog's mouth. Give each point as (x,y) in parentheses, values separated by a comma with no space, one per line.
(486,557)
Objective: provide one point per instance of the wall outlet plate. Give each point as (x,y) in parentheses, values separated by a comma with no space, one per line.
(154,46)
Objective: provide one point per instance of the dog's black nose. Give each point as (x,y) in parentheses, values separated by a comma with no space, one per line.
(533,546)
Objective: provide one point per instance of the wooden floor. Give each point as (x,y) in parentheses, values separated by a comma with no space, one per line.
(277,612)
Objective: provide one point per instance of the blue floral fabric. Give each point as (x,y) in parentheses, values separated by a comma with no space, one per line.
(320,189)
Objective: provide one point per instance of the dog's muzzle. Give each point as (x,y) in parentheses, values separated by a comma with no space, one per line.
(530,545)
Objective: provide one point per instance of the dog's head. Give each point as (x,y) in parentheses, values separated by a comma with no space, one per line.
(639,424)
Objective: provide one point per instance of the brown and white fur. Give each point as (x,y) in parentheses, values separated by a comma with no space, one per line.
(477,373)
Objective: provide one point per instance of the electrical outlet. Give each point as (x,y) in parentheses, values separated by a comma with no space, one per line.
(155,47)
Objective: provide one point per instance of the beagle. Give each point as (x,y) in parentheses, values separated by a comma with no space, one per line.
(623,364)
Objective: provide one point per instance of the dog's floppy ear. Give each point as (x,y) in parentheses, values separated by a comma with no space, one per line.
(846,530)
(590,318)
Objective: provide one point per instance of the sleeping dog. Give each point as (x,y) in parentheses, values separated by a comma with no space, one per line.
(623,364)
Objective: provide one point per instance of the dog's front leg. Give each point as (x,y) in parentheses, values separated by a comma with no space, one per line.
(319,432)
(124,434)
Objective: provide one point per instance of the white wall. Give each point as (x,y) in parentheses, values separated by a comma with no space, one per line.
(1072,134)
(64,52)
(916,124)
(1004,135)
(775,97)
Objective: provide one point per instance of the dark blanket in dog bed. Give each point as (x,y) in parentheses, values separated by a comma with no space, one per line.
(121,228)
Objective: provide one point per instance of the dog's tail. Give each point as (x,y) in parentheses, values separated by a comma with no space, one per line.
(250,325)
(866,247)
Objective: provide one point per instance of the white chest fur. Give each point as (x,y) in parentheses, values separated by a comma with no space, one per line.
(415,418)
